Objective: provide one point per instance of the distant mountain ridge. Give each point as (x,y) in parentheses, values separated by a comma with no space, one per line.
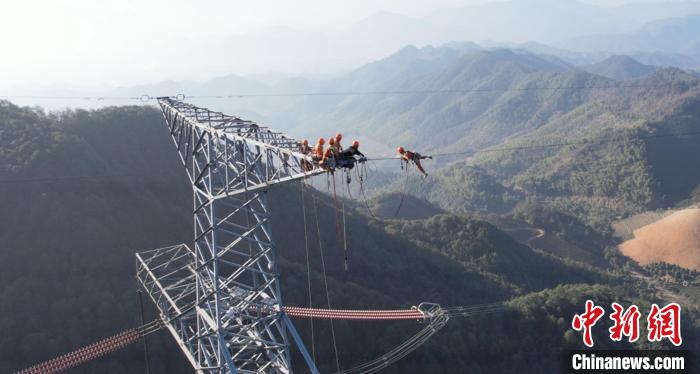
(333,50)
(461,97)
(488,96)
(505,98)
(493,82)
(667,35)
(620,67)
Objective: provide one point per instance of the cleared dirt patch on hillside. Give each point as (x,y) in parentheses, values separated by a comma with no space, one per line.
(625,228)
(674,239)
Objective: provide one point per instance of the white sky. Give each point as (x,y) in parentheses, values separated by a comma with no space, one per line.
(89,42)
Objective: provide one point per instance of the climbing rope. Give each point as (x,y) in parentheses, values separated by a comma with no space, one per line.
(347,183)
(345,241)
(362,178)
(335,206)
(403,194)
(308,270)
(325,283)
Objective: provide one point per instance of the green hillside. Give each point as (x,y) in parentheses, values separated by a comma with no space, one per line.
(625,146)
(399,206)
(481,246)
(620,67)
(466,189)
(84,190)
(440,119)
(95,187)
(622,157)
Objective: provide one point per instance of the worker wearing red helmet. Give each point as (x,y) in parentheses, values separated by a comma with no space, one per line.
(347,157)
(353,150)
(414,157)
(337,148)
(305,150)
(318,149)
(330,154)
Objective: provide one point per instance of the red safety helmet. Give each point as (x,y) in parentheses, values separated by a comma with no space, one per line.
(321,141)
(331,141)
(305,142)
(400,150)
(356,144)
(338,137)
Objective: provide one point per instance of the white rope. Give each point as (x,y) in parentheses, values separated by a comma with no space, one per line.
(308,271)
(325,282)
(345,240)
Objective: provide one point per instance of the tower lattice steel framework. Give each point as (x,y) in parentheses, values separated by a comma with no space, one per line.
(221,299)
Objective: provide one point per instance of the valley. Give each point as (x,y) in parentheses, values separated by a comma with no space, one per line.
(551,183)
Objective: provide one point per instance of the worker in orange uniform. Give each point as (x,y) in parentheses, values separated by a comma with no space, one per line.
(338,147)
(330,155)
(305,150)
(414,157)
(304,147)
(318,150)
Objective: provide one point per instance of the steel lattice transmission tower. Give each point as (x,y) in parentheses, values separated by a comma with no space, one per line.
(221,299)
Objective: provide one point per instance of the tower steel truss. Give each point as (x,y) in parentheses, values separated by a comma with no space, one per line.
(221,299)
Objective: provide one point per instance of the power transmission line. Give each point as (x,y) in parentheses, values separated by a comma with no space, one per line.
(551,145)
(470,152)
(180,96)
(612,85)
(72,178)
(143,98)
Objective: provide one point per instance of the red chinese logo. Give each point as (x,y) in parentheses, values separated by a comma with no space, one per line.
(625,323)
(587,320)
(665,323)
(662,323)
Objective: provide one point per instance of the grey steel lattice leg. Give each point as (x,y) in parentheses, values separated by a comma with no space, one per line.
(221,299)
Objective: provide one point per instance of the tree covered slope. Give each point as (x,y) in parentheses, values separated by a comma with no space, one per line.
(85,190)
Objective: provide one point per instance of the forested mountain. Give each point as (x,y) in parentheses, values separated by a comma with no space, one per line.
(398,205)
(620,67)
(492,96)
(456,98)
(598,148)
(480,245)
(669,35)
(82,191)
(465,104)
(638,166)
(480,83)
(560,142)
(591,146)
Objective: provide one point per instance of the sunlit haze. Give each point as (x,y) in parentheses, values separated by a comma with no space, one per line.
(128,42)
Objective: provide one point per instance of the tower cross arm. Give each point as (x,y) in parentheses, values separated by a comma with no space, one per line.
(226,155)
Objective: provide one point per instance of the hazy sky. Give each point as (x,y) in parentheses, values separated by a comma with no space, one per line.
(88,42)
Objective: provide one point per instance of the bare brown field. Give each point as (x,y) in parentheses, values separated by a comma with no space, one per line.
(674,239)
(624,228)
